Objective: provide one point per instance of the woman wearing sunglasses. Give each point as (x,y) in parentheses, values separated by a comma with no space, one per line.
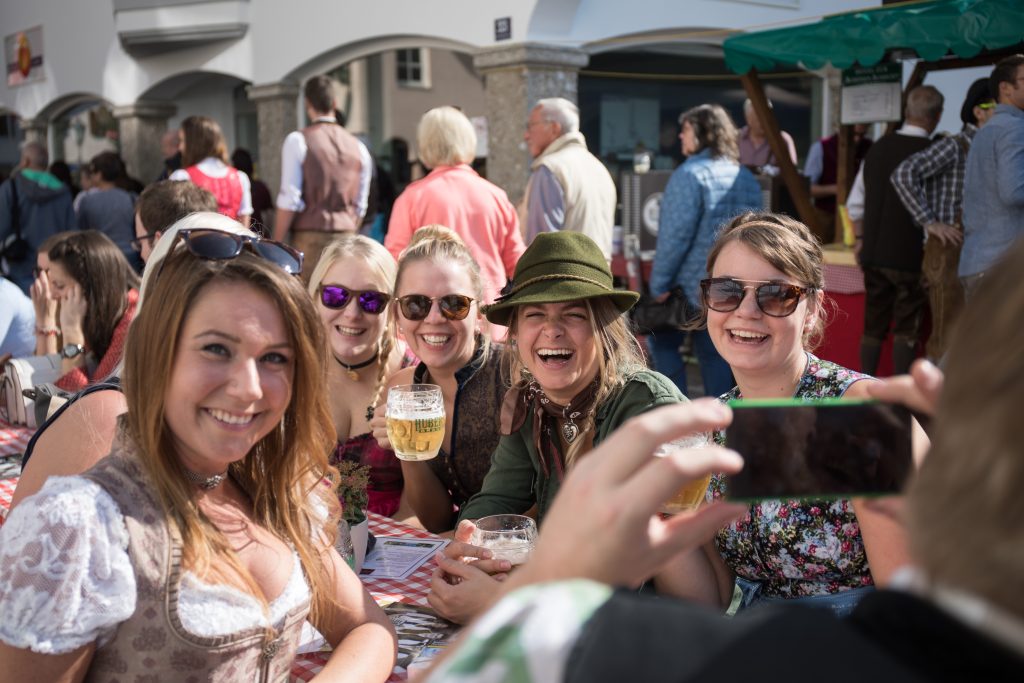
(200,545)
(764,309)
(438,290)
(577,374)
(352,286)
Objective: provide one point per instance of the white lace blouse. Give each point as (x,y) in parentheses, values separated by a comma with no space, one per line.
(66,579)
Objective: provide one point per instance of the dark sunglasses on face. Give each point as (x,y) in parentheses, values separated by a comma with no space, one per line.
(217,245)
(338,297)
(776,299)
(417,306)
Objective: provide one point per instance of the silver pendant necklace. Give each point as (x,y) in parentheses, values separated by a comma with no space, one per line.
(205,483)
(569,429)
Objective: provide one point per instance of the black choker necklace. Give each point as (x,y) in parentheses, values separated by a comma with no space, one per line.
(351,369)
(205,483)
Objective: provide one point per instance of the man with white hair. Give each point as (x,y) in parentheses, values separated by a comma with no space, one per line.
(569,188)
(753,141)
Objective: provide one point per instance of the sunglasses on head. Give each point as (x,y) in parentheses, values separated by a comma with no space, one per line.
(217,245)
(776,299)
(338,297)
(417,306)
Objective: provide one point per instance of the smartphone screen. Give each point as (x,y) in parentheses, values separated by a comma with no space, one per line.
(825,449)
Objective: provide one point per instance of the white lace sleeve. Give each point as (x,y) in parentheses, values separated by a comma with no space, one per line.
(65,576)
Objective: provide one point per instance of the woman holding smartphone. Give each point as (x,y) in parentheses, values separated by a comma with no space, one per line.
(763,305)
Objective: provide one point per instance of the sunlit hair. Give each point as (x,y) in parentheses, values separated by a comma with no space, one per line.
(437,244)
(561,111)
(788,245)
(380,261)
(286,474)
(203,138)
(965,508)
(163,203)
(445,137)
(714,130)
(924,103)
(99,267)
(619,356)
(319,91)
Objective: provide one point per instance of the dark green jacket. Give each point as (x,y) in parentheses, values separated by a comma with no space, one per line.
(516,481)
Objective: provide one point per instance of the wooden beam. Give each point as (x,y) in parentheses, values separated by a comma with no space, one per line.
(797,191)
(845,173)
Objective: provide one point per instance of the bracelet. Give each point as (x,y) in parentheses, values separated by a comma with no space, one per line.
(48,331)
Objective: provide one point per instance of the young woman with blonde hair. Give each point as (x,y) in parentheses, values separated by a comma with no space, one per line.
(438,289)
(353,288)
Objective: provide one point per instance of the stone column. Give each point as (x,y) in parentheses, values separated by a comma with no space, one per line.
(515,77)
(140,127)
(276,116)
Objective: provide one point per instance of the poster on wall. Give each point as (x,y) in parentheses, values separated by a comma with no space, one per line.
(872,94)
(24,57)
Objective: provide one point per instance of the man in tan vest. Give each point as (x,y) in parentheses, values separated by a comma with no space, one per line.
(569,189)
(325,177)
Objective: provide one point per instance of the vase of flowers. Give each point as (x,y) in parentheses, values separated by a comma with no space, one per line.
(353,530)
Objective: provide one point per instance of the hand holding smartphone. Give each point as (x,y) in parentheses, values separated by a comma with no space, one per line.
(823,449)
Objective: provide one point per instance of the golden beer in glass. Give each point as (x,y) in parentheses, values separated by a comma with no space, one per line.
(690,496)
(415,421)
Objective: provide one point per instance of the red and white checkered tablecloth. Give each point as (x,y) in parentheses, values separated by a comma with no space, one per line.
(13,440)
(7,487)
(412,590)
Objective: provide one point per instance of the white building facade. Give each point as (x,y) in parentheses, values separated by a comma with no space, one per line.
(243,62)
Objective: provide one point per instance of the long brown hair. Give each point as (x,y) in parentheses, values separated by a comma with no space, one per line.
(203,138)
(714,130)
(286,474)
(619,356)
(105,276)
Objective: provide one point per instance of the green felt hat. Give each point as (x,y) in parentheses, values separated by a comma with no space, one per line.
(557,267)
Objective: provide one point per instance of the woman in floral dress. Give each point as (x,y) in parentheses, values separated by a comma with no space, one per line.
(826,552)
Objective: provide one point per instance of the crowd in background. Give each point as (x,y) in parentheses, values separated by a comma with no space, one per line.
(219,369)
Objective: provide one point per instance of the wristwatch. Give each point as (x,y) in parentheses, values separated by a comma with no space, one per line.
(72,351)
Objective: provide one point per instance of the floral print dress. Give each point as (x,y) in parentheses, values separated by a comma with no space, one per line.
(798,548)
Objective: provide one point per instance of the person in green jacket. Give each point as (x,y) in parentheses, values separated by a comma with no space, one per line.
(577,374)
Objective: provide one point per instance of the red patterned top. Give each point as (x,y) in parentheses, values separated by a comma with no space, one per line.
(77,378)
(227,190)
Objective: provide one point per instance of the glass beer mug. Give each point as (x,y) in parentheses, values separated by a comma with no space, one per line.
(415,421)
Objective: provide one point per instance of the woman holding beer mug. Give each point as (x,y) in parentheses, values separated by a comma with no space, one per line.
(763,303)
(577,373)
(352,287)
(437,309)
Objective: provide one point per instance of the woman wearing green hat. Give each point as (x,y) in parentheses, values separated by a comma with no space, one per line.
(577,373)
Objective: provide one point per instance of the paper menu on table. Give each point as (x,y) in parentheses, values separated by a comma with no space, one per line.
(397,557)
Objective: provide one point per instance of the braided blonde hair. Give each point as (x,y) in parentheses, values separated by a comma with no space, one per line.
(373,254)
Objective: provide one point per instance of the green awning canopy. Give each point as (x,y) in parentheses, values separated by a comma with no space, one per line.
(931,29)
